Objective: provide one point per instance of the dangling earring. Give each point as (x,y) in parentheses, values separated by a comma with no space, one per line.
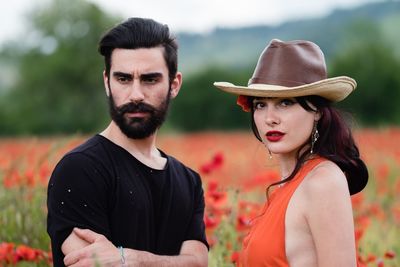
(270,154)
(314,136)
(269,151)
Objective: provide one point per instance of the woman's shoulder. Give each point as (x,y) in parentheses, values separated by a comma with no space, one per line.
(325,179)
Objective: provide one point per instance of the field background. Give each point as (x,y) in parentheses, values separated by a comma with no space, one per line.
(235,172)
(205,128)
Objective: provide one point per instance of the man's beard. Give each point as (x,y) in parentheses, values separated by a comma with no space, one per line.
(143,127)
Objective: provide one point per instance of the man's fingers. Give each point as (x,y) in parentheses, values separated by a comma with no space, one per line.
(72,258)
(87,235)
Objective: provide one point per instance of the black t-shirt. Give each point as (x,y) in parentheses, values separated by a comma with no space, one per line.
(102,187)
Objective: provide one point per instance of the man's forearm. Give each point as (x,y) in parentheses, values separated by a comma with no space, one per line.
(147,259)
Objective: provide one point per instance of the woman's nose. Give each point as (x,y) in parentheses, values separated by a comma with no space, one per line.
(271,116)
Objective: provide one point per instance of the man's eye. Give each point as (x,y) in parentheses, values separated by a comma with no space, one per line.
(123,79)
(150,80)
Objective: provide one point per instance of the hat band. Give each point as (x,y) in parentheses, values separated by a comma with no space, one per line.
(285,83)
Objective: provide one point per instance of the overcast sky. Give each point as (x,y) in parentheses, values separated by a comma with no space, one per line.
(190,15)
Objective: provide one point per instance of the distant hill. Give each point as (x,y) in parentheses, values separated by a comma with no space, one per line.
(240,47)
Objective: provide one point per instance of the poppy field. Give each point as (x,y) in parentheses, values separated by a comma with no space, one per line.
(235,170)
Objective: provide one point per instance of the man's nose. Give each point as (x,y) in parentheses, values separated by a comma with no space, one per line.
(136,92)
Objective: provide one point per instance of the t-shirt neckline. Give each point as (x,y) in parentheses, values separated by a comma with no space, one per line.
(164,155)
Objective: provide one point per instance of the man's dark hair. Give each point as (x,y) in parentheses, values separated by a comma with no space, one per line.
(135,33)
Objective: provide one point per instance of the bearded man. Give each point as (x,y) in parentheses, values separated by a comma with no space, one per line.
(118,200)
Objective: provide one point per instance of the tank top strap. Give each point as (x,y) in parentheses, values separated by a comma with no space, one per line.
(309,165)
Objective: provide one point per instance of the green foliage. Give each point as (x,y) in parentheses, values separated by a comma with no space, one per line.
(371,61)
(23,220)
(51,78)
(220,254)
(201,106)
(242,46)
(59,87)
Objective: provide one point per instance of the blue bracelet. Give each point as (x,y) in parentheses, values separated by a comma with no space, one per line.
(121,250)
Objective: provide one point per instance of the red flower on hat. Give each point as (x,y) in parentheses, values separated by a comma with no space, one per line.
(243,101)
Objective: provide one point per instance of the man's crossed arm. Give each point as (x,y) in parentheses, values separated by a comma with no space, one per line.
(84,247)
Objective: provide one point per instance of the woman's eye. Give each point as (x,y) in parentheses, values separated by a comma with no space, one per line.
(258,105)
(287,102)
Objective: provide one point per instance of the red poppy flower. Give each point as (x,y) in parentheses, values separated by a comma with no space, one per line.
(390,254)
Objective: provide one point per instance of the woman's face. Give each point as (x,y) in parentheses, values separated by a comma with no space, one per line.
(283,124)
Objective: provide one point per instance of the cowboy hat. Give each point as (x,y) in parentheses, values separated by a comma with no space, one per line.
(292,69)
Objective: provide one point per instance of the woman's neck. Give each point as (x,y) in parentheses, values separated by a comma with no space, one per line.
(287,165)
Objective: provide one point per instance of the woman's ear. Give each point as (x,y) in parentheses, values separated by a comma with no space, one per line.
(318,115)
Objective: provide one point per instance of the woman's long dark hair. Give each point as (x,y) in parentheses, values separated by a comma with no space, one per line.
(335,143)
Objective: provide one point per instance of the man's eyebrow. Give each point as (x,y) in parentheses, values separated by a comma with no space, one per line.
(151,75)
(122,74)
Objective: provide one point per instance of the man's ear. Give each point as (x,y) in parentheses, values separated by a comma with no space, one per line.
(176,84)
(105,80)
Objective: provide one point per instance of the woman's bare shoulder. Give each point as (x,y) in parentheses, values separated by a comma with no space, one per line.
(326,179)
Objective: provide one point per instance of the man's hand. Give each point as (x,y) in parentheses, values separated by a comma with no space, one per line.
(99,252)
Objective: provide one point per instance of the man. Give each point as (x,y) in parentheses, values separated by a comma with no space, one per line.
(116,199)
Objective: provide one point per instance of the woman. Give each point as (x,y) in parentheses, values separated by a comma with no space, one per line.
(307,219)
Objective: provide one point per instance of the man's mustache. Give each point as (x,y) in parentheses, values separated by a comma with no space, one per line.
(135,107)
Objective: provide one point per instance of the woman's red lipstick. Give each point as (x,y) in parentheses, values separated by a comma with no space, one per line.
(274,136)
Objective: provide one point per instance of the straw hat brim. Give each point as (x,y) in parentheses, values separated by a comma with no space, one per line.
(334,89)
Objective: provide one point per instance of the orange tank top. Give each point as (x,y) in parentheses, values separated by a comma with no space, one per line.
(265,243)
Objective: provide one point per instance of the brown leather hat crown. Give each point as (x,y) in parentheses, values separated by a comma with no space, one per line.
(292,69)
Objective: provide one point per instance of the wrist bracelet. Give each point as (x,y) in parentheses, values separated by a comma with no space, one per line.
(121,251)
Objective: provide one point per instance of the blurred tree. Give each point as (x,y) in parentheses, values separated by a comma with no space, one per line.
(201,106)
(50,79)
(371,61)
(58,88)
